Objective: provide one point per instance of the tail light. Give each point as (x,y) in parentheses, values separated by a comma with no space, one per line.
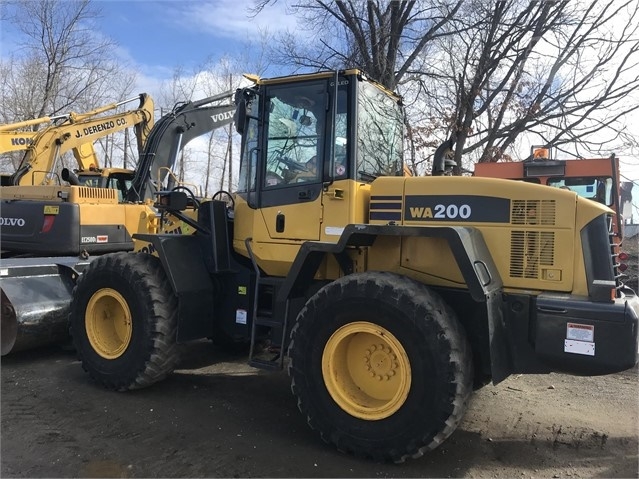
(48,223)
(622,258)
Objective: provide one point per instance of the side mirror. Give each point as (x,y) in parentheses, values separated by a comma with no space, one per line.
(239,117)
(171,200)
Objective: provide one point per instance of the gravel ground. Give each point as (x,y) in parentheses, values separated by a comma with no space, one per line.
(217,417)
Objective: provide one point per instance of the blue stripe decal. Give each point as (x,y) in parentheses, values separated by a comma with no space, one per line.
(386,198)
(386,215)
(386,206)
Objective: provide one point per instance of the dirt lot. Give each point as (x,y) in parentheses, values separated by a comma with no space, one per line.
(217,417)
(631,246)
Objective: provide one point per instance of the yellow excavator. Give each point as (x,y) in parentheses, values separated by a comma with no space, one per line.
(50,231)
(18,137)
(14,137)
(78,132)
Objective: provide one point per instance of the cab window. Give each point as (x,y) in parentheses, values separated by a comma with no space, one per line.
(598,189)
(296,124)
(379,134)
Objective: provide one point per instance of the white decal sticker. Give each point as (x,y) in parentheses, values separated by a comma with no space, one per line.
(240,316)
(102,238)
(333,231)
(580,332)
(579,347)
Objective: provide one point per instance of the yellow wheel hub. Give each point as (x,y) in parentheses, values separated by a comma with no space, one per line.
(366,370)
(108,323)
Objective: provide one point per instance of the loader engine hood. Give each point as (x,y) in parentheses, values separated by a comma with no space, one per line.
(532,231)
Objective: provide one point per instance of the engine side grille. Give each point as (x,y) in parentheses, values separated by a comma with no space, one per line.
(96,193)
(87,194)
(533,212)
(528,251)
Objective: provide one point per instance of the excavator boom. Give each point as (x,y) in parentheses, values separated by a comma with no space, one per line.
(171,134)
(78,133)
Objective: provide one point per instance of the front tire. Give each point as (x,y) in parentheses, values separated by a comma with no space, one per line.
(123,321)
(380,366)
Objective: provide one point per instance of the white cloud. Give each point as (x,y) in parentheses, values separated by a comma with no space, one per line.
(232,18)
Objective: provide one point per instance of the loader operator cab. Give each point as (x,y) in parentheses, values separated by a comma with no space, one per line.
(353,128)
(306,135)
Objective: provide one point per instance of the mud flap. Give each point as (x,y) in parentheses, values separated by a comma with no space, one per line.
(501,363)
(185,259)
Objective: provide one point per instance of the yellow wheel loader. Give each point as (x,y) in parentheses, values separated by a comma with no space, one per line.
(387,298)
(50,231)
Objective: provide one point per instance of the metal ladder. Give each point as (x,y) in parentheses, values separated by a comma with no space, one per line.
(264,317)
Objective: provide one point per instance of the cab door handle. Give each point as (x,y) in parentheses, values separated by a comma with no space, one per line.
(280,223)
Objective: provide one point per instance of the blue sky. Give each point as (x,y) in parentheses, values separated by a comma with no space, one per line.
(161,35)
(182,32)
(156,36)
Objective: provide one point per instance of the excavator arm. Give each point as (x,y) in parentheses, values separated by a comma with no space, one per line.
(13,136)
(78,133)
(16,140)
(171,134)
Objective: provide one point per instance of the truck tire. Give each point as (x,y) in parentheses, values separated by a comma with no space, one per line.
(123,321)
(380,366)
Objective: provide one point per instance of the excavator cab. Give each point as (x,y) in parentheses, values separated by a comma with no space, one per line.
(119,179)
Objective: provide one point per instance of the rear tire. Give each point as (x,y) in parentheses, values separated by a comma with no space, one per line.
(380,366)
(123,321)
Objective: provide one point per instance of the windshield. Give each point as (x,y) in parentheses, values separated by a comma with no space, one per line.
(599,189)
(379,137)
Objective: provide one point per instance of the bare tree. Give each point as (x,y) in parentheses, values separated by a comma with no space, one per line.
(561,72)
(58,63)
(219,75)
(59,55)
(493,75)
(383,38)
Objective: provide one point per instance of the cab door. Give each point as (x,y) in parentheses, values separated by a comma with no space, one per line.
(293,145)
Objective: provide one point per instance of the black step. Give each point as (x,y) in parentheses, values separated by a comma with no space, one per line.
(267,321)
(265,364)
(271,281)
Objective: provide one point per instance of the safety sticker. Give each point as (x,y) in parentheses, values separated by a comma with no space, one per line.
(51,210)
(240,316)
(102,238)
(579,347)
(580,332)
